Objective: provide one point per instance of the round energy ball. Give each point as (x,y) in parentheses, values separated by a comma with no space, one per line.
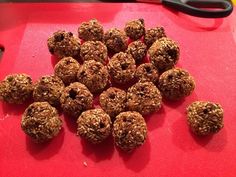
(153,34)
(122,67)
(205,117)
(135,29)
(75,99)
(113,101)
(94,125)
(48,88)
(16,88)
(64,44)
(138,50)
(116,40)
(41,122)
(129,130)
(164,54)
(66,69)
(91,31)
(94,50)
(176,83)
(94,75)
(147,72)
(144,97)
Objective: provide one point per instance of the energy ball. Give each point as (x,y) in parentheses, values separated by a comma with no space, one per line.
(16,88)
(113,101)
(75,99)
(116,40)
(94,125)
(153,34)
(175,84)
(48,88)
(164,54)
(94,75)
(64,44)
(122,68)
(135,29)
(144,97)
(129,130)
(94,50)
(67,69)
(138,50)
(147,72)
(205,117)
(41,122)
(91,31)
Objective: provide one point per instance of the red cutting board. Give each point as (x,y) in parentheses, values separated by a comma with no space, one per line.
(207,51)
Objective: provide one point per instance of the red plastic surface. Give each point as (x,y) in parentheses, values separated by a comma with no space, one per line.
(207,51)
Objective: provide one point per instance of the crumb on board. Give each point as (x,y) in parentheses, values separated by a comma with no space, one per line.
(85,164)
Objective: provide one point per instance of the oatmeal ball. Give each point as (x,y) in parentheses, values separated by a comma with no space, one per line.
(144,97)
(164,54)
(41,122)
(153,34)
(94,75)
(16,88)
(135,29)
(116,40)
(48,88)
(64,44)
(75,99)
(66,69)
(94,50)
(175,84)
(91,31)
(205,117)
(138,50)
(129,130)
(147,72)
(122,67)
(94,125)
(113,101)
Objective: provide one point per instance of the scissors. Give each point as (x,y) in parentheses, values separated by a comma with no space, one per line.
(199,8)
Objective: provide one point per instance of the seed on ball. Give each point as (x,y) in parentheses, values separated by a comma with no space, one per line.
(153,34)
(113,101)
(116,40)
(64,44)
(147,72)
(16,88)
(164,54)
(75,99)
(67,69)
(138,50)
(176,83)
(49,89)
(41,122)
(94,125)
(205,117)
(94,75)
(94,50)
(129,130)
(122,68)
(91,31)
(135,29)
(144,97)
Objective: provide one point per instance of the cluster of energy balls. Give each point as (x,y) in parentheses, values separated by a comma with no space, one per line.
(84,70)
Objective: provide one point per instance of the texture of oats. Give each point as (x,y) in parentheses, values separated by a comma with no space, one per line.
(205,117)
(41,122)
(129,130)
(176,83)
(16,88)
(138,50)
(153,34)
(94,125)
(64,44)
(135,29)
(147,72)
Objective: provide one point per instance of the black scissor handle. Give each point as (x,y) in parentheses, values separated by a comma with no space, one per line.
(193,7)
